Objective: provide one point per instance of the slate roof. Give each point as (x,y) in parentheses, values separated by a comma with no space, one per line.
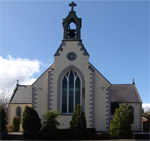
(124,93)
(22,94)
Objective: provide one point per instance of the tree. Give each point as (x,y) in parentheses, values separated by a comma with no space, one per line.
(50,120)
(3,118)
(121,122)
(78,122)
(31,122)
(146,114)
(146,125)
(3,122)
(16,123)
(50,123)
(4,100)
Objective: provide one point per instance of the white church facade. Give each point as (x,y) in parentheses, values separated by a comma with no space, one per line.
(72,80)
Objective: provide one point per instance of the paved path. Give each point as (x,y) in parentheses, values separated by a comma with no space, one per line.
(15,136)
(15,133)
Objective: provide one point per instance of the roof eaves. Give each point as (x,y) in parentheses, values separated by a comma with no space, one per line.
(43,73)
(137,93)
(120,84)
(16,88)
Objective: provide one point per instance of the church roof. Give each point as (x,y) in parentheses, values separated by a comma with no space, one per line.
(124,93)
(22,94)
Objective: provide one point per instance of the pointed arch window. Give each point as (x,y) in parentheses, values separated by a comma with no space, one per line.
(71,91)
(18,113)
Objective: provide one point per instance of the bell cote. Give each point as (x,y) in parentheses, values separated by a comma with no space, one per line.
(72,25)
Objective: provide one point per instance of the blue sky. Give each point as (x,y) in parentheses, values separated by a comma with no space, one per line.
(115,34)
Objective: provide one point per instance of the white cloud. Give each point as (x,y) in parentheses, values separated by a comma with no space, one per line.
(13,69)
(146,107)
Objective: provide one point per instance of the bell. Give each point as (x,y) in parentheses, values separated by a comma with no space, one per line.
(72,33)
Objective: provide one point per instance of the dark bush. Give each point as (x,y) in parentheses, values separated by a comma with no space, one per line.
(121,122)
(49,130)
(68,134)
(3,118)
(146,125)
(31,123)
(3,122)
(143,136)
(104,136)
(65,134)
(29,136)
(90,134)
(78,122)
(16,123)
(52,135)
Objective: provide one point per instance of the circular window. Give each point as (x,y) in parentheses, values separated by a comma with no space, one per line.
(71,56)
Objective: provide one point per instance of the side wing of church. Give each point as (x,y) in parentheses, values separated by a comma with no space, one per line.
(72,80)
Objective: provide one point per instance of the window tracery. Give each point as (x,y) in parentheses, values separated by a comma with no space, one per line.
(71,91)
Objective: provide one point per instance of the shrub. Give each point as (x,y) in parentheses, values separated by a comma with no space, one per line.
(146,125)
(16,123)
(50,119)
(78,122)
(3,118)
(49,130)
(3,122)
(67,134)
(104,136)
(31,122)
(121,122)
(90,134)
(64,134)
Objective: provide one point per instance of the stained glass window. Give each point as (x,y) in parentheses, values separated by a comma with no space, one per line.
(18,113)
(71,91)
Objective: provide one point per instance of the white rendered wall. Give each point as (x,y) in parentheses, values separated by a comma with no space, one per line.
(100,90)
(64,121)
(41,94)
(61,62)
(101,103)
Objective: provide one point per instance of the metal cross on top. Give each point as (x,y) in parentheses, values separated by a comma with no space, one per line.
(72,4)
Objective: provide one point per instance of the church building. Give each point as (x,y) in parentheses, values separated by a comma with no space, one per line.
(73,80)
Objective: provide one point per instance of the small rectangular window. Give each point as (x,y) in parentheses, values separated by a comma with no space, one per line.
(114,106)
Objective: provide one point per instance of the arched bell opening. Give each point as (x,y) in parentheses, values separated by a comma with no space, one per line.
(72,30)
(72,26)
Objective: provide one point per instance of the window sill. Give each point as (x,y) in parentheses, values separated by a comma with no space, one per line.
(66,114)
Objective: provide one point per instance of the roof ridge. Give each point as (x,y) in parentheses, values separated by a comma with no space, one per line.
(14,91)
(137,93)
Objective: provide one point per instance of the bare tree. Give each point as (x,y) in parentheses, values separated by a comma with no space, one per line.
(4,100)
